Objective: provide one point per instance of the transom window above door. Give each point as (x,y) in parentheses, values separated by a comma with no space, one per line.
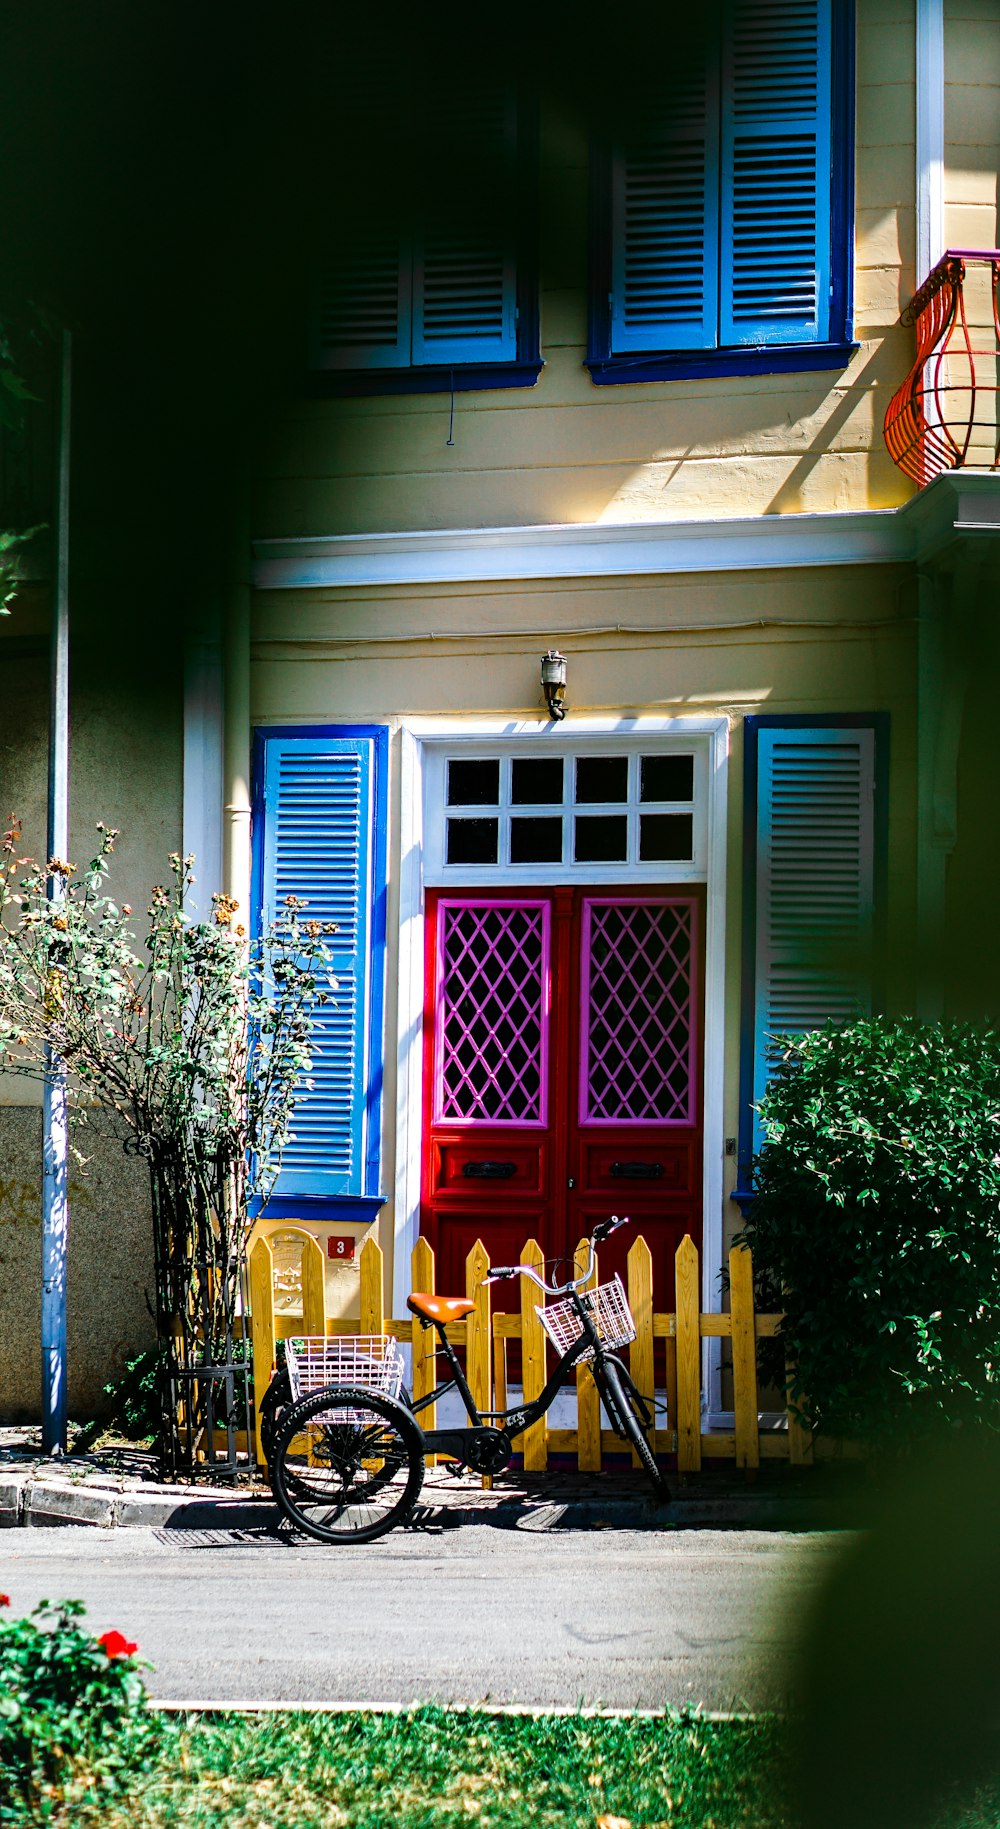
(550,812)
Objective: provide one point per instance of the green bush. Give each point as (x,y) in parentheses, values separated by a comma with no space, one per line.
(876,1224)
(133,1402)
(72,1708)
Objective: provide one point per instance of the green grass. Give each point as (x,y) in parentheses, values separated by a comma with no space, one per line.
(435,1769)
(978,1810)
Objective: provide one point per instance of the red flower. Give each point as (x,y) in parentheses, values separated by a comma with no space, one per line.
(116,1646)
(4,1600)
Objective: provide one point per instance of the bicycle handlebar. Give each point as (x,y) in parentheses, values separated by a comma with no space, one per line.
(503,1272)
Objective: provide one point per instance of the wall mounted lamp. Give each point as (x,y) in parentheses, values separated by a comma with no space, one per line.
(554,682)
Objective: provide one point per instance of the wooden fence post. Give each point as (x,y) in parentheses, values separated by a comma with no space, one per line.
(372,1301)
(744,1329)
(535,1440)
(640,1301)
(313,1289)
(261,1328)
(479,1334)
(688,1357)
(588,1403)
(499,1371)
(671,1345)
(424,1338)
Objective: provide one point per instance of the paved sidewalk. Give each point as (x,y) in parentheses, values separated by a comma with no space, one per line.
(115,1486)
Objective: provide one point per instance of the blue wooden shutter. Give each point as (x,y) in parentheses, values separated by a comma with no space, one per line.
(776,172)
(318,800)
(815,883)
(464,264)
(363,311)
(665,216)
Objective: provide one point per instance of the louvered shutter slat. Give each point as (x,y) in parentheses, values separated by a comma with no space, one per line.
(317,845)
(665,221)
(464,269)
(775,179)
(815,884)
(363,311)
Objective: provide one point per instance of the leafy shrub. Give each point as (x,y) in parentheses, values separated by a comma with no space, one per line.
(133,1402)
(68,1701)
(876,1224)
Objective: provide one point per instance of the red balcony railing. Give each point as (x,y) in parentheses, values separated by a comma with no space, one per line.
(945,415)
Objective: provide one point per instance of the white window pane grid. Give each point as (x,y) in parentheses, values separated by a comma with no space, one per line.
(568,810)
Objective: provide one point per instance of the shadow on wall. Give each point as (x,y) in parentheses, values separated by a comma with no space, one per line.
(110,1266)
(883,371)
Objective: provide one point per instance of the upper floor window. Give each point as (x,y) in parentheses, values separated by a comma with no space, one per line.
(431,286)
(724,207)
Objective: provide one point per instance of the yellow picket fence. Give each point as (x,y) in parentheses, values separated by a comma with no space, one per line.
(666,1354)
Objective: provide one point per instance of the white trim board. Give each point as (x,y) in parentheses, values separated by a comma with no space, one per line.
(947,507)
(929,136)
(417,736)
(470,555)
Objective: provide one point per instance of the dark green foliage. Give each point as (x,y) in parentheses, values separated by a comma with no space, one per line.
(876,1226)
(133,1409)
(15,395)
(71,1714)
(900,1630)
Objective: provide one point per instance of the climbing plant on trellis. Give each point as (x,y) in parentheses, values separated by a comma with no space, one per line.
(196,1040)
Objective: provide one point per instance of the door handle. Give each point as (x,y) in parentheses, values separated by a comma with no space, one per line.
(489,1171)
(637,1171)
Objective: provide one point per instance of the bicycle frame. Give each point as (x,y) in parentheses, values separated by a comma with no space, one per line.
(513,1422)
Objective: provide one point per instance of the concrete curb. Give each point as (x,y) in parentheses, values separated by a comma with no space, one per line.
(32,1502)
(533,1710)
(28,1501)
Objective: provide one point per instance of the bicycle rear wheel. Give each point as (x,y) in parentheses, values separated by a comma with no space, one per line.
(630,1416)
(346,1465)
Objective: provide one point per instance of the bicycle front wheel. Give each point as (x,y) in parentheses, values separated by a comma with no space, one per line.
(630,1417)
(346,1465)
(276,1398)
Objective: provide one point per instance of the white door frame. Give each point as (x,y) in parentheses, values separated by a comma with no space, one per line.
(417,734)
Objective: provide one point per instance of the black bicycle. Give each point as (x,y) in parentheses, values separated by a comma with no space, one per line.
(345,1449)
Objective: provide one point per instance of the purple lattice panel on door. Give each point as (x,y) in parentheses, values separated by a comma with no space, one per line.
(492,1012)
(637,1033)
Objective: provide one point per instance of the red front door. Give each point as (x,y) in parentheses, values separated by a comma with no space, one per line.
(563,1073)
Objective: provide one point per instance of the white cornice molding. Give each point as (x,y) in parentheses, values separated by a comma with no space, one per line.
(480,555)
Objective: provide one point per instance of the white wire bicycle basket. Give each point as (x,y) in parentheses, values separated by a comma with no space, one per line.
(370,1362)
(609,1311)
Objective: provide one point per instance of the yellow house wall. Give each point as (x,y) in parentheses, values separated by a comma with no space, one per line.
(567,451)
(319,658)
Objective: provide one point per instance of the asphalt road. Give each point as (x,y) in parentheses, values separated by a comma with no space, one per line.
(619,1618)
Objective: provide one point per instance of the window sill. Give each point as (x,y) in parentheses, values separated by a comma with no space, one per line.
(700,364)
(464,378)
(361,1208)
